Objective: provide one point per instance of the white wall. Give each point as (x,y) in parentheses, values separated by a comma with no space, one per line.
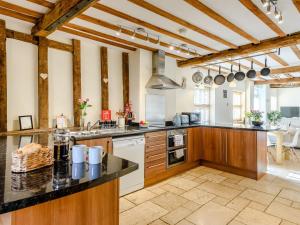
(288,97)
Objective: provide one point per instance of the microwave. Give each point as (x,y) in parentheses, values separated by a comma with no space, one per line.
(194,117)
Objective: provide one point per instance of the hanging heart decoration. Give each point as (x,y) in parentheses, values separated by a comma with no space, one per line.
(44,76)
(105,80)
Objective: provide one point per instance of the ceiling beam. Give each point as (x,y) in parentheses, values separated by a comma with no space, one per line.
(44,3)
(262,16)
(92,37)
(152,8)
(217,17)
(278,81)
(297,4)
(129,32)
(255,61)
(113,38)
(269,44)
(63,11)
(127,17)
(278,59)
(17,15)
(296,51)
(284,70)
(20,9)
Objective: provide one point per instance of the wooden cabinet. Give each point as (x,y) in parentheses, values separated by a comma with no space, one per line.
(105,142)
(155,153)
(207,143)
(235,150)
(241,149)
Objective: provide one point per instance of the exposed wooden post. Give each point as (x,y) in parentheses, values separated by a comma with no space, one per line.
(3,78)
(125,72)
(43,102)
(104,79)
(76,81)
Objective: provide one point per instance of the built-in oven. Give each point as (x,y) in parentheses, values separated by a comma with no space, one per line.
(176,147)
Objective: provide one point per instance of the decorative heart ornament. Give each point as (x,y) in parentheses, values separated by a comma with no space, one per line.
(44,76)
(105,80)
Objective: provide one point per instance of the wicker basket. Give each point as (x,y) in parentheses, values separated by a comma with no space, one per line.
(31,157)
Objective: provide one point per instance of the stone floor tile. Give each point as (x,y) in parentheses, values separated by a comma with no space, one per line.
(268,177)
(232,185)
(140,196)
(257,196)
(220,200)
(158,222)
(176,215)
(219,190)
(191,205)
(216,178)
(285,222)
(290,195)
(232,176)
(212,214)
(200,180)
(169,201)
(211,170)
(285,212)
(284,183)
(183,183)
(238,203)
(283,201)
(235,222)
(125,204)
(257,206)
(251,216)
(142,214)
(184,222)
(172,189)
(262,186)
(199,196)
(296,205)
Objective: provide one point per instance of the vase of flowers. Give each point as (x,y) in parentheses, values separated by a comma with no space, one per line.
(274,117)
(83,105)
(256,117)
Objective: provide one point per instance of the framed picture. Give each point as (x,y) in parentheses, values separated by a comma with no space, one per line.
(25,140)
(25,122)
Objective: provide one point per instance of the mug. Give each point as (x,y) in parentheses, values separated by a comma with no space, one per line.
(94,171)
(78,171)
(78,153)
(96,154)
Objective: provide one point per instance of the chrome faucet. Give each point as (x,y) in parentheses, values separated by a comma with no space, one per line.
(89,127)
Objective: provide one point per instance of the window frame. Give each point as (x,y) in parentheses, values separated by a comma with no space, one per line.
(203,106)
(239,106)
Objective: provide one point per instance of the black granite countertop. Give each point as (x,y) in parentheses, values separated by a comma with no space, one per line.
(135,130)
(20,190)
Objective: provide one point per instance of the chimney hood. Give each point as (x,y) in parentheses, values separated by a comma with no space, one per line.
(158,79)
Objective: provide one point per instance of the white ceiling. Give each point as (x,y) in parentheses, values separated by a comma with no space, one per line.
(232,10)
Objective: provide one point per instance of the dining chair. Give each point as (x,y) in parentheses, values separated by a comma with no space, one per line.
(293,144)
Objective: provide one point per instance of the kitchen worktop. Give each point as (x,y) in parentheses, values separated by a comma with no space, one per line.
(135,130)
(20,190)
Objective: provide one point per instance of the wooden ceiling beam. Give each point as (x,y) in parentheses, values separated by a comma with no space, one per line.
(63,11)
(278,59)
(44,3)
(17,15)
(297,4)
(152,8)
(129,32)
(284,70)
(262,16)
(94,38)
(217,17)
(296,51)
(278,81)
(20,9)
(129,18)
(255,61)
(269,44)
(113,38)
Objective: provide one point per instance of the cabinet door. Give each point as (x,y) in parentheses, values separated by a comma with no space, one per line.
(213,144)
(194,145)
(106,143)
(241,149)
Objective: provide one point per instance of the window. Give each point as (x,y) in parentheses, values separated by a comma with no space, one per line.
(237,105)
(201,100)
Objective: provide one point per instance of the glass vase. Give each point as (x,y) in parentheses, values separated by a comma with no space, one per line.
(82,123)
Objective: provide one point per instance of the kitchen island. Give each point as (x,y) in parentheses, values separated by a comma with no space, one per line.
(64,193)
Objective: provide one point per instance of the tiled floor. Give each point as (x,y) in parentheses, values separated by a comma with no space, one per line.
(205,196)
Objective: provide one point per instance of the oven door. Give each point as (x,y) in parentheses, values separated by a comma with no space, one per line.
(176,156)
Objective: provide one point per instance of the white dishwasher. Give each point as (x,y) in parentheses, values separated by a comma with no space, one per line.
(131,148)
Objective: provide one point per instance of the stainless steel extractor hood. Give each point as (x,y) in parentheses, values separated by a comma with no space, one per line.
(158,79)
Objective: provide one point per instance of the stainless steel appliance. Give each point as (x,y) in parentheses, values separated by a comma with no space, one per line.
(176,147)
(194,117)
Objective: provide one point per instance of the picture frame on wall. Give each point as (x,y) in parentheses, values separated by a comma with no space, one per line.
(25,122)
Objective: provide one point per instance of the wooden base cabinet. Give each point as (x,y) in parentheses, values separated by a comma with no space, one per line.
(234,150)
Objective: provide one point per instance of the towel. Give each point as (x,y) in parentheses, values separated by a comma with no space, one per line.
(178,140)
(179,153)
